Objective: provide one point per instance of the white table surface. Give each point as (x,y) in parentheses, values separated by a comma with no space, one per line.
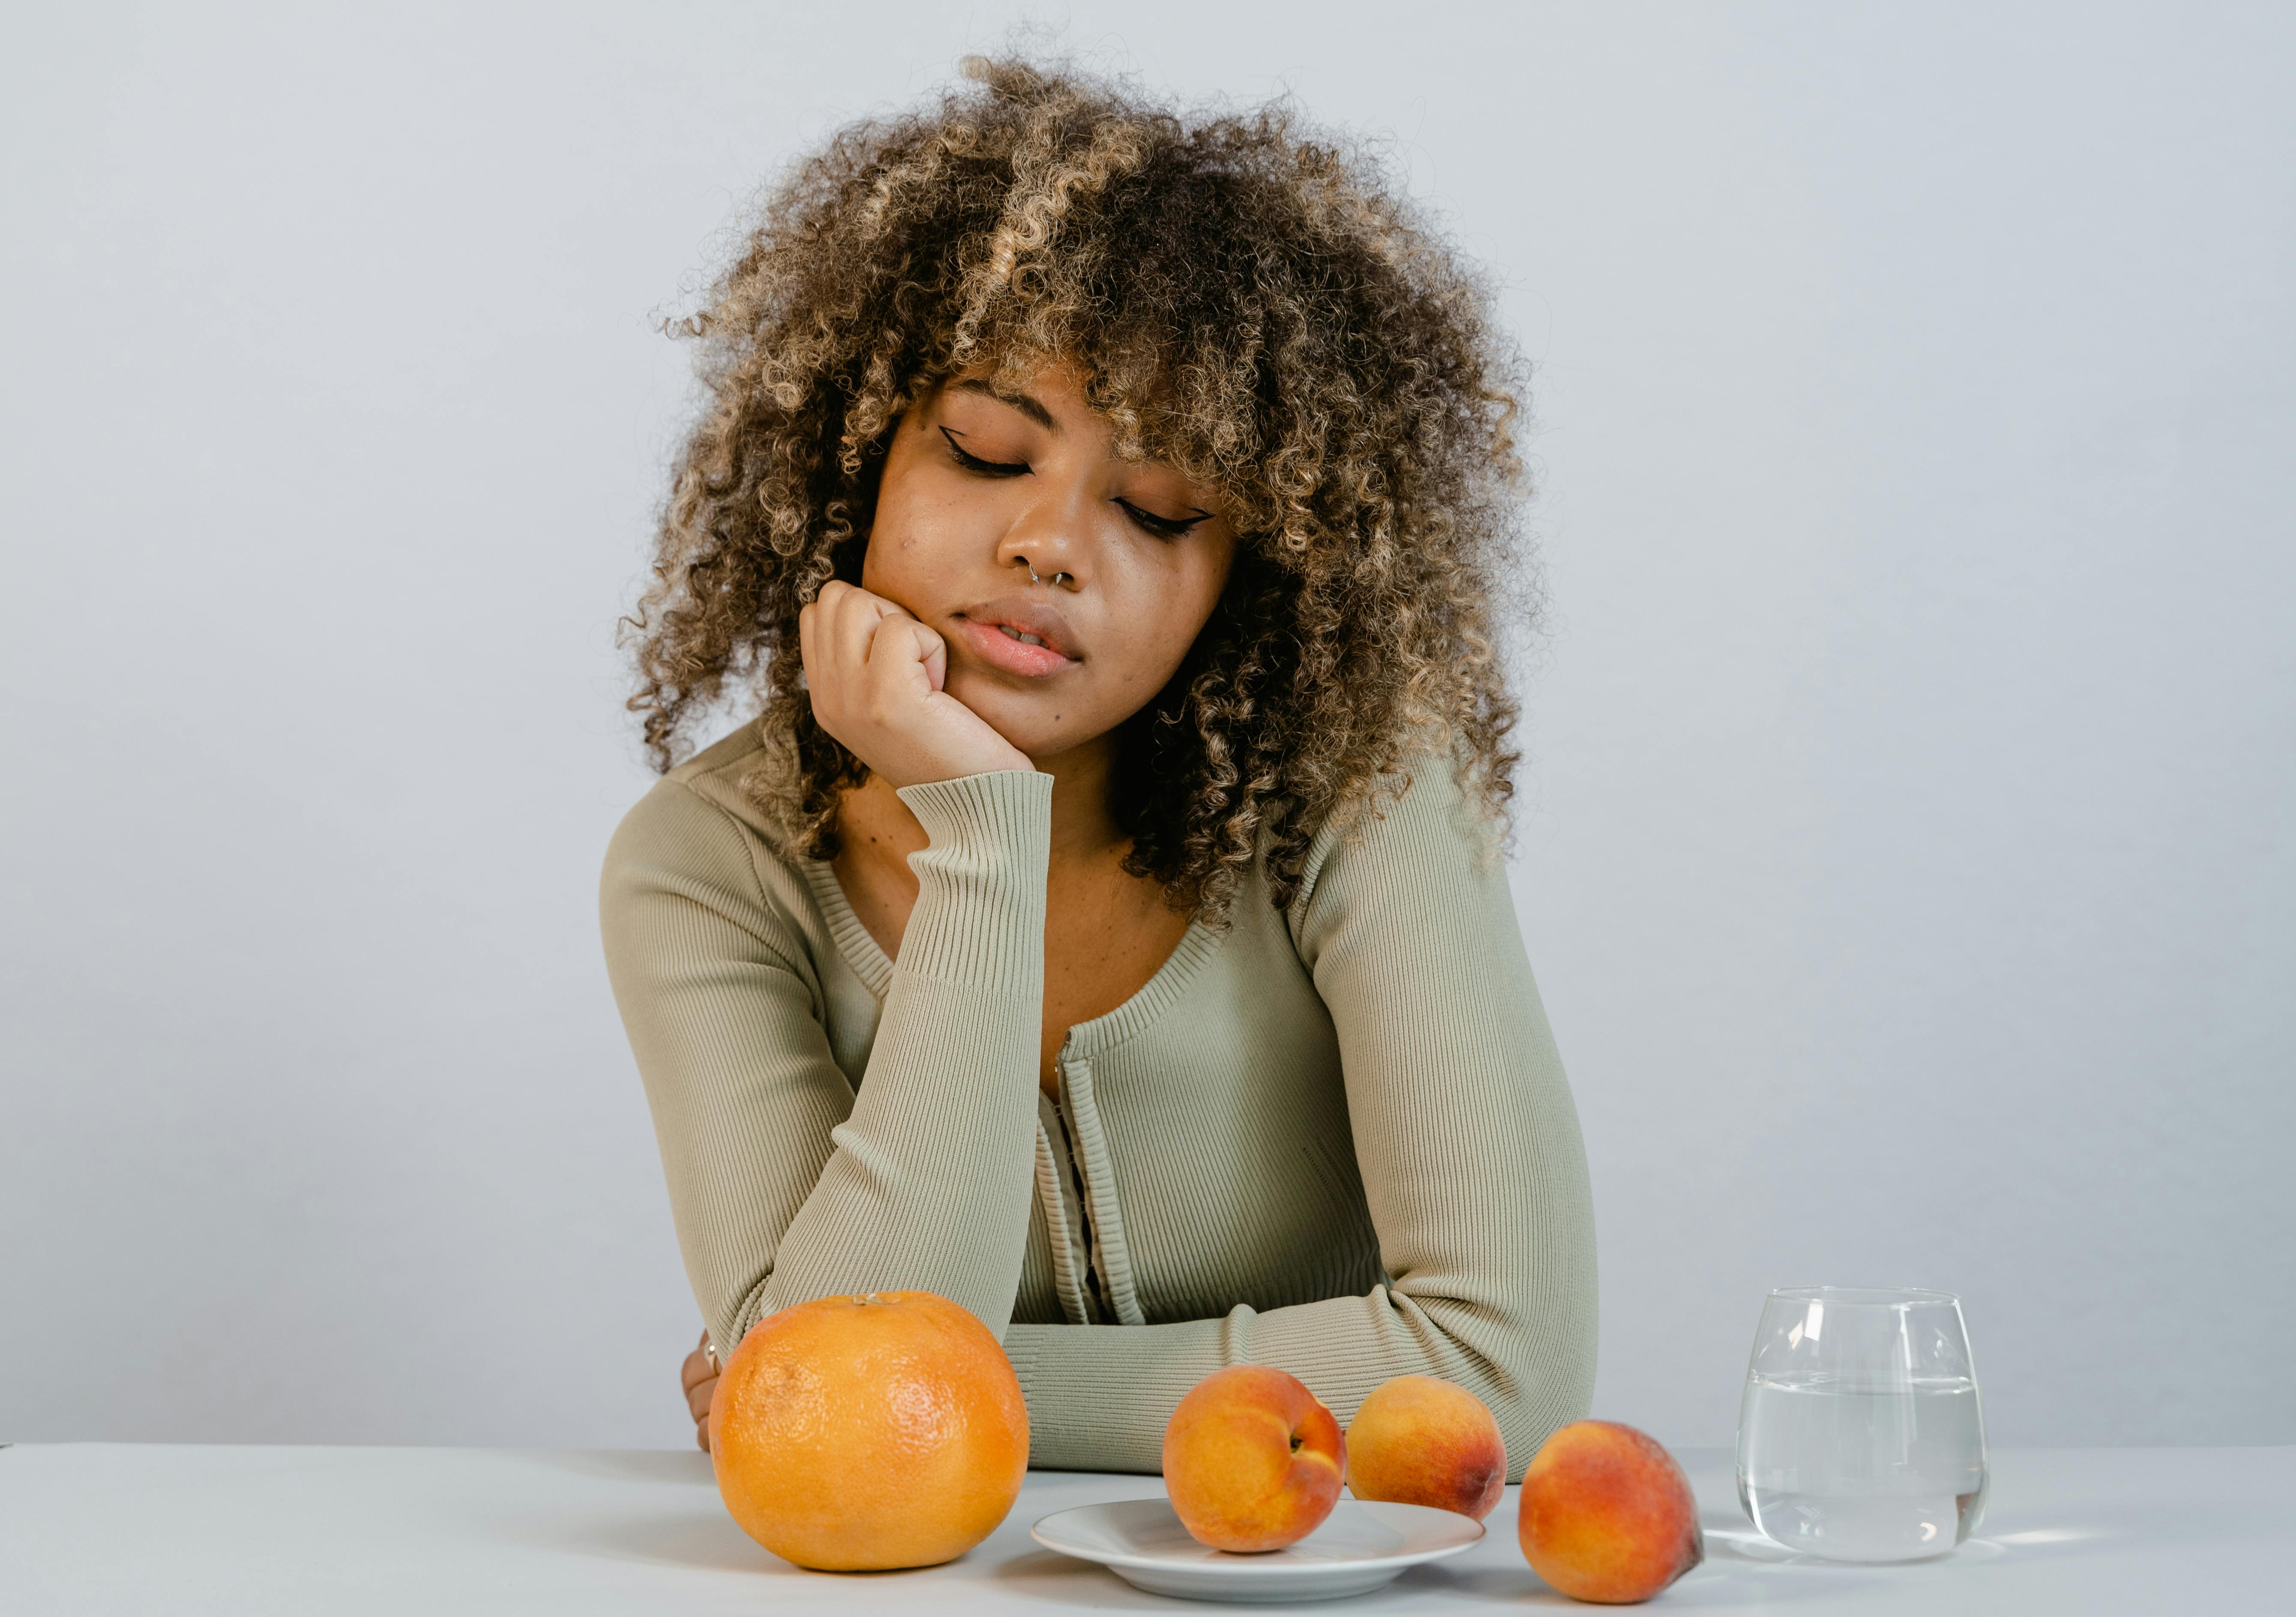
(92,1529)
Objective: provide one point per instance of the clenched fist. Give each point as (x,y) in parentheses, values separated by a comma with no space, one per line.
(875,675)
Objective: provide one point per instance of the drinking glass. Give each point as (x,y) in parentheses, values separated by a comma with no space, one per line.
(1861,1437)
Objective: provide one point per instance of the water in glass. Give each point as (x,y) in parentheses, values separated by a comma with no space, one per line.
(1861,1437)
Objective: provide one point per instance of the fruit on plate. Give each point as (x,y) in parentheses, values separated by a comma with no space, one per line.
(1253,1460)
(1607,1515)
(1417,1440)
(860,1433)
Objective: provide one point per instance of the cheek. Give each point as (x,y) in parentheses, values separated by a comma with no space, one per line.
(901,539)
(1199,575)
(1166,605)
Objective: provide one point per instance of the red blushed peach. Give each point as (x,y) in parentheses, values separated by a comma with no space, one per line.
(1252,1461)
(1417,1440)
(1607,1515)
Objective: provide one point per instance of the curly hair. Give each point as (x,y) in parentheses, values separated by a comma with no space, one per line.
(1246,300)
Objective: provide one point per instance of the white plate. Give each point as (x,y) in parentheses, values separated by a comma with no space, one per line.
(1361,1546)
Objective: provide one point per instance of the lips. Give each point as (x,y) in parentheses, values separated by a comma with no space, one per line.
(1020,636)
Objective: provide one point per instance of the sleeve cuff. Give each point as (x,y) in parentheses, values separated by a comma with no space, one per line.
(979,915)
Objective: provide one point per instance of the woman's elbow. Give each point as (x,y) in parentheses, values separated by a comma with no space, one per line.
(1547,1382)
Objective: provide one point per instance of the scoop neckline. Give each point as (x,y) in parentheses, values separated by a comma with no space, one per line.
(1086,1039)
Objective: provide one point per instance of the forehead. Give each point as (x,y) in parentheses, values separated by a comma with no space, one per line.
(1020,397)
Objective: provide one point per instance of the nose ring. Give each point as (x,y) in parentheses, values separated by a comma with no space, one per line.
(1057,579)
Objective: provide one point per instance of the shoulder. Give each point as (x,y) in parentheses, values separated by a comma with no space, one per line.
(1424,825)
(697,834)
(715,774)
(707,789)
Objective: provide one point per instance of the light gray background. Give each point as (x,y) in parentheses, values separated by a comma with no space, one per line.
(1906,848)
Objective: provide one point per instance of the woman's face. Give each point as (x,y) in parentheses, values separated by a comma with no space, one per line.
(986,486)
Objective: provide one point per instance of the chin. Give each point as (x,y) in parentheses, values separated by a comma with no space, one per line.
(1030,720)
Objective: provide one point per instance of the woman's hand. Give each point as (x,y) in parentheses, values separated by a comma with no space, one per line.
(876,677)
(700,1375)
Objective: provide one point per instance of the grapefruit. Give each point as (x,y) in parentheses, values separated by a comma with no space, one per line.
(863,1434)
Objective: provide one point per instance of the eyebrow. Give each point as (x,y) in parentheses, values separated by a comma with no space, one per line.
(1022,402)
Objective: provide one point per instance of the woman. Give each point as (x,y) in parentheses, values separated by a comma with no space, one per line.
(1102,926)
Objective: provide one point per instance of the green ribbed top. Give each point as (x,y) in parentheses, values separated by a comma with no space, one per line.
(1336,1140)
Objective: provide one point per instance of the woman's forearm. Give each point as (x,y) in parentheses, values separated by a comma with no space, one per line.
(929,1185)
(785,1183)
(1099,1396)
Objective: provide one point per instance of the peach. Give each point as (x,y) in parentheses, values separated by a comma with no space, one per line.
(1417,1440)
(1607,1515)
(1253,1460)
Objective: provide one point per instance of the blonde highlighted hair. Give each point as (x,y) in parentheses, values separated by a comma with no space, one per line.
(1248,301)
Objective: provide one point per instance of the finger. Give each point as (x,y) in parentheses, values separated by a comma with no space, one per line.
(700,1364)
(936,659)
(696,1369)
(699,1397)
(862,607)
(852,597)
(895,676)
(701,1435)
(849,619)
(905,655)
(816,628)
(853,618)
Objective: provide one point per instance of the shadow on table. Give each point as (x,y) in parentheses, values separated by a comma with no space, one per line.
(1060,1580)
(706,1541)
(709,1543)
(1742,1563)
(1063,1579)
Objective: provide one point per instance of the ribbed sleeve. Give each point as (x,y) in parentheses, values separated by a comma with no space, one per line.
(785,1184)
(979,914)
(1471,1163)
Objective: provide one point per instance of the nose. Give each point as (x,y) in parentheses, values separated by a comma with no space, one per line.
(1045,541)
(1059,578)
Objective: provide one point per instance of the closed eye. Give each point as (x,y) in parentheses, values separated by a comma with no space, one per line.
(974,462)
(1163,527)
